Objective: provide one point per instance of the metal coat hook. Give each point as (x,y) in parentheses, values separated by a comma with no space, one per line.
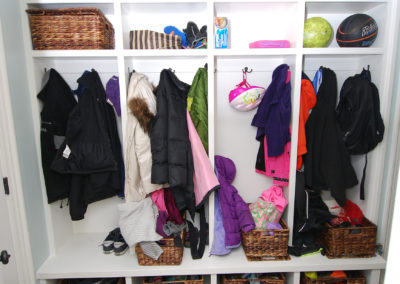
(246,70)
(45,69)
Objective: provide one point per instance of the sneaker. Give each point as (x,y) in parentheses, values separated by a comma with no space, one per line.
(108,243)
(120,246)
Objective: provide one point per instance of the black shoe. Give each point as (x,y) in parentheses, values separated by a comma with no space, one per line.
(120,246)
(108,243)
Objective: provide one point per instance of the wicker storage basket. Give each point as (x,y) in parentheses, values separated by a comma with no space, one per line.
(348,242)
(276,278)
(172,254)
(70,28)
(353,277)
(260,244)
(189,281)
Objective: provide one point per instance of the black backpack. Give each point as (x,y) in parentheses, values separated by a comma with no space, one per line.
(359,117)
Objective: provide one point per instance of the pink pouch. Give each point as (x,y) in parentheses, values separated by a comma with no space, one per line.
(270,44)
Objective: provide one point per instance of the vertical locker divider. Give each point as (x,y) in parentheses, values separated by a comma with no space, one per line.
(122,69)
(33,86)
(295,117)
(375,171)
(211,115)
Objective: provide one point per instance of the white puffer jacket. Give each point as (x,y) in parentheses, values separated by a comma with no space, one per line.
(138,160)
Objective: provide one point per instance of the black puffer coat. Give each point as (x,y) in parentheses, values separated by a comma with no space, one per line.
(58,101)
(170,145)
(92,150)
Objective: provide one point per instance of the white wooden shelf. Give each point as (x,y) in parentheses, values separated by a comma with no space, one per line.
(343,51)
(165,52)
(254,52)
(160,1)
(69,2)
(204,52)
(81,256)
(340,7)
(255,1)
(74,53)
(346,1)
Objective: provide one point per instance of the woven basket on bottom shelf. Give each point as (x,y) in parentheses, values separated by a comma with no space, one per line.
(349,242)
(172,254)
(278,278)
(260,244)
(353,277)
(70,28)
(189,281)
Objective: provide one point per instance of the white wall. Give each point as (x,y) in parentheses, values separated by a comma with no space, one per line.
(27,156)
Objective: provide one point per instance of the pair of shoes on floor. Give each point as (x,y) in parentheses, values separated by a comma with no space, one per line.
(115,242)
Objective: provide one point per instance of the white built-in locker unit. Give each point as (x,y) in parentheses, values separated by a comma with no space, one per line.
(74,249)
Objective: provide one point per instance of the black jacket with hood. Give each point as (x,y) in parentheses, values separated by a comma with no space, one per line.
(327,163)
(58,101)
(91,152)
(170,145)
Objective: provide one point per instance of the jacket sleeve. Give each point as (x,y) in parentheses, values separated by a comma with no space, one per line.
(231,226)
(337,168)
(133,191)
(242,211)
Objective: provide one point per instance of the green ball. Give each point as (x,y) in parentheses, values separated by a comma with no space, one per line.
(317,32)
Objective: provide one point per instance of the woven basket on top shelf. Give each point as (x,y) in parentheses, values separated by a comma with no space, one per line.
(353,277)
(188,281)
(274,278)
(172,255)
(349,242)
(70,28)
(266,244)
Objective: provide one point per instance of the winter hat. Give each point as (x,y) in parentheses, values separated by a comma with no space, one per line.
(353,212)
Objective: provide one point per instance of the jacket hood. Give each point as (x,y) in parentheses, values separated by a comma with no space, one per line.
(137,81)
(225,168)
(327,91)
(307,90)
(141,111)
(90,79)
(141,103)
(279,76)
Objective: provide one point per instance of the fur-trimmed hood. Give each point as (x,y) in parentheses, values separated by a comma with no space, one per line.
(141,102)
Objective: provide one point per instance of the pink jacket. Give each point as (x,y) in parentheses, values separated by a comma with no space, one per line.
(204,178)
(277,167)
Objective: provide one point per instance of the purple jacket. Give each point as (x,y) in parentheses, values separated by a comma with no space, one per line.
(236,214)
(273,113)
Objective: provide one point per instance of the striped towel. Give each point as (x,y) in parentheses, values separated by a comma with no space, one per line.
(145,39)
